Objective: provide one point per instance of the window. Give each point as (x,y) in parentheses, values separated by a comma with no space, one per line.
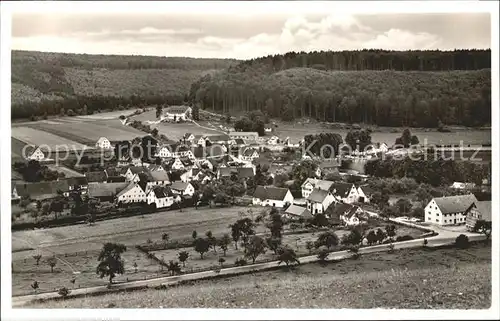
(437,220)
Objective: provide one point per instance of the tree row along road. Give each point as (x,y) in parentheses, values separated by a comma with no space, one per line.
(438,240)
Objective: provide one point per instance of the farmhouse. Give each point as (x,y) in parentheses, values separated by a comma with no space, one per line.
(312,183)
(103,143)
(153,179)
(449,210)
(345,192)
(272,196)
(348,214)
(182,188)
(244,135)
(176,113)
(133,193)
(249,155)
(161,197)
(294,212)
(106,192)
(319,200)
(478,211)
(34,153)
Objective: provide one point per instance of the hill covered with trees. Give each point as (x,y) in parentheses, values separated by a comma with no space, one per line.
(386,88)
(48,83)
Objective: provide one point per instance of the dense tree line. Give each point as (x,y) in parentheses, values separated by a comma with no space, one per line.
(436,172)
(33,172)
(400,97)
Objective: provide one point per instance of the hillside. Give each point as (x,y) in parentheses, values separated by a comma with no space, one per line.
(48,82)
(377,87)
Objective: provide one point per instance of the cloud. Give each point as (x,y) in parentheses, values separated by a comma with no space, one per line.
(396,39)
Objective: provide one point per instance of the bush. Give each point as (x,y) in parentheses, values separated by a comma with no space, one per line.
(462,241)
(240,262)
(404,238)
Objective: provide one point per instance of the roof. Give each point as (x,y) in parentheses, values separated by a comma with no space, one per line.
(231,134)
(218,138)
(367,190)
(298,211)
(186,161)
(176,109)
(77,180)
(42,190)
(138,169)
(161,191)
(329,164)
(319,183)
(343,209)
(215,151)
(179,186)
(99,176)
(455,204)
(105,189)
(116,179)
(317,195)
(186,135)
(130,186)
(154,168)
(101,139)
(342,189)
(158,176)
(239,141)
(242,172)
(111,171)
(270,193)
(484,207)
(249,152)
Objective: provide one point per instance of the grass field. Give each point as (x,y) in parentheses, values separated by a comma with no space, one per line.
(406,279)
(297,131)
(38,137)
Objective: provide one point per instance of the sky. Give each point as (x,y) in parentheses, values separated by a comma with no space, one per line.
(228,35)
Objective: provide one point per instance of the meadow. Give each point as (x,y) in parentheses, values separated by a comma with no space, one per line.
(36,137)
(405,279)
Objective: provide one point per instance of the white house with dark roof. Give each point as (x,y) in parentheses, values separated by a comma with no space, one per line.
(35,153)
(311,183)
(364,194)
(182,188)
(133,193)
(176,113)
(478,211)
(131,175)
(296,212)
(272,196)
(164,152)
(345,192)
(106,191)
(319,200)
(162,197)
(348,214)
(449,210)
(103,143)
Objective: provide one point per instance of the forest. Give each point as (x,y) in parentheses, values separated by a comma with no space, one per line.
(45,83)
(385,88)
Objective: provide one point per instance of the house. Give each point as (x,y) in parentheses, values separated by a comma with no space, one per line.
(176,113)
(240,172)
(204,164)
(161,197)
(96,177)
(364,194)
(34,153)
(164,151)
(218,138)
(449,210)
(14,194)
(103,143)
(348,214)
(152,179)
(202,176)
(188,137)
(268,129)
(312,183)
(461,185)
(345,192)
(133,171)
(294,212)
(272,196)
(174,164)
(249,155)
(182,151)
(106,192)
(156,168)
(244,135)
(376,148)
(133,193)
(319,200)
(275,140)
(478,211)
(77,184)
(182,188)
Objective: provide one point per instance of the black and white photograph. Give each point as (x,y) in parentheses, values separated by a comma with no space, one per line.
(249,155)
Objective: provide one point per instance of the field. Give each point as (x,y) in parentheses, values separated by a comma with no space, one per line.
(79,245)
(297,131)
(63,169)
(406,279)
(173,131)
(37,137)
